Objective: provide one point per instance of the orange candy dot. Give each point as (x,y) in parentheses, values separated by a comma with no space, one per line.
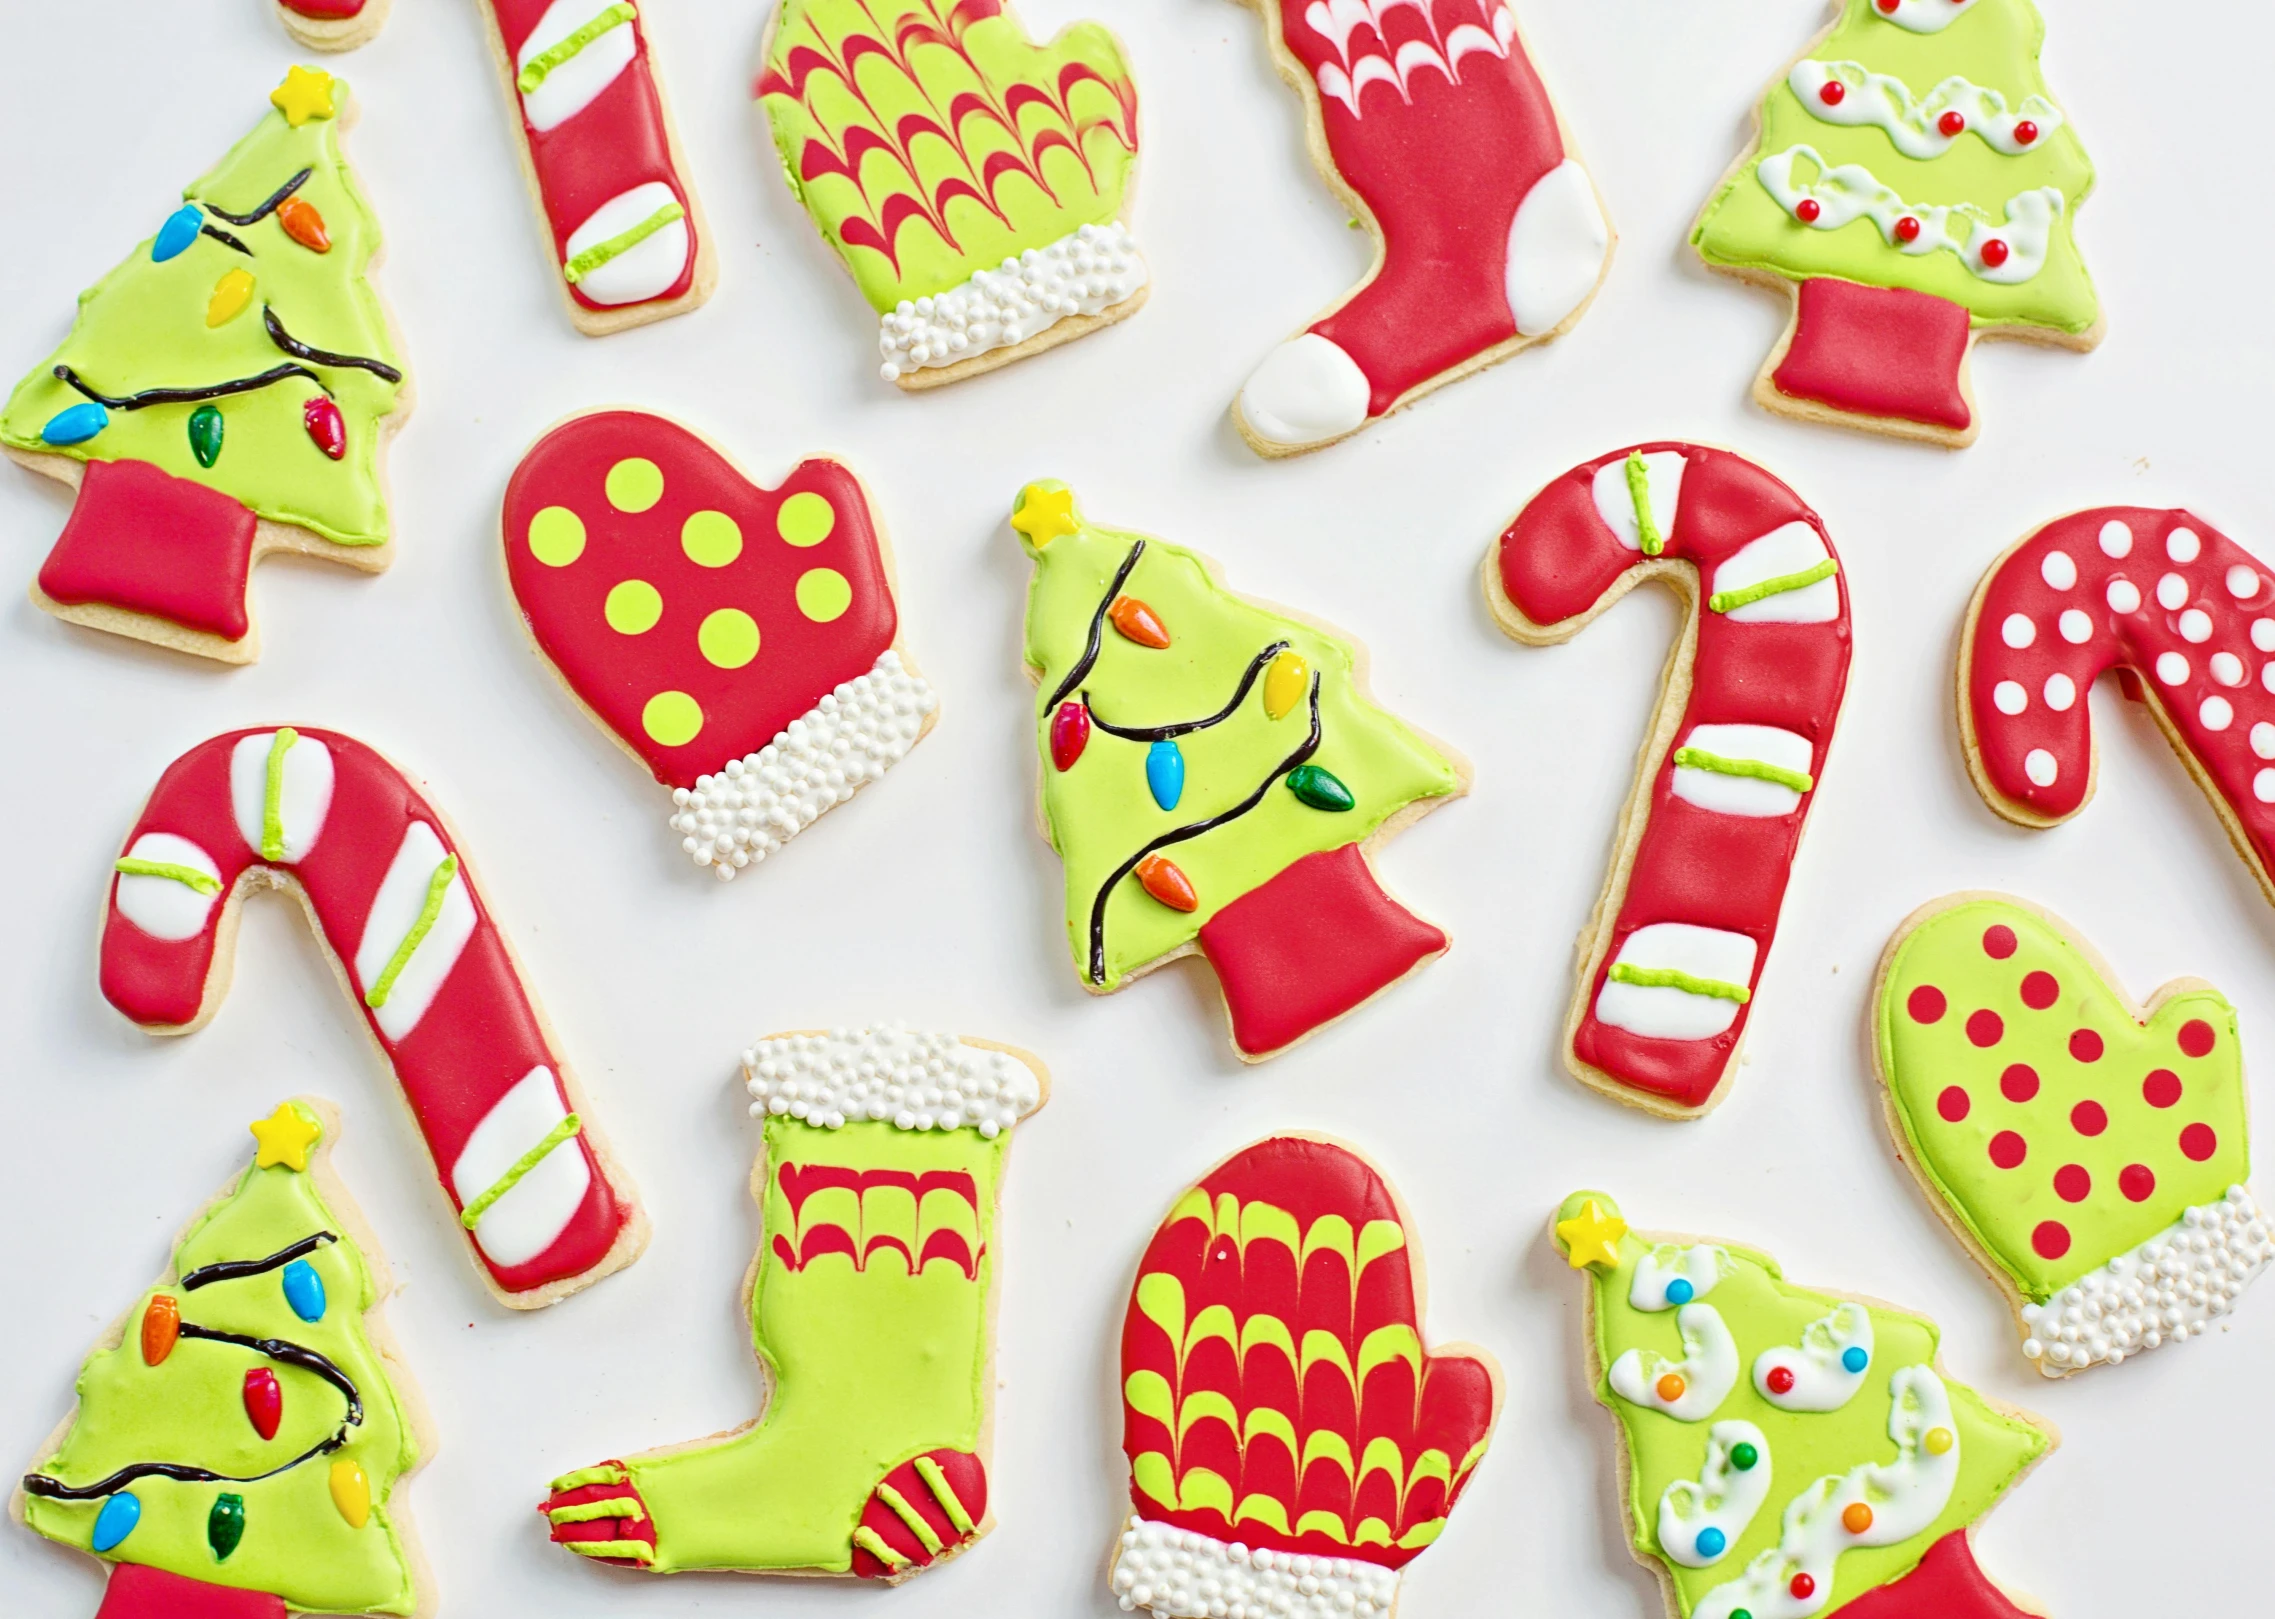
(1856,1517)
(1671,1387)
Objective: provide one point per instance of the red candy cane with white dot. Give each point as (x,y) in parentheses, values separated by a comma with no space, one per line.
(1707,842)
(325,816)
(2182,613)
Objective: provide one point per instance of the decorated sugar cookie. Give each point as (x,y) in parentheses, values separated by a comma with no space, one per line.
(974,183)
(383,880)
(872,1309)
(332,25)
(226,392)
(1674,953)
(2090,1153)
(603,160)
(1788,1452)
(1294,1441)
(1213,774)
(742,642)
(242,1436)
(1915,188)
(1428,118)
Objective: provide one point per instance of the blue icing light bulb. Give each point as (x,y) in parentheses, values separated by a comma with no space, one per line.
(1712,1542)
(1855,1358)
(176,235)
(1679,1291)
(115,1522)
(76,425)
(304,1290)
(1165,773)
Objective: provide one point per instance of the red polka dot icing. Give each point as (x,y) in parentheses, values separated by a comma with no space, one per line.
(1998,941)
(2051,1239)
(2008,1149)
(2161,1089)
(2086,1046)
(2040,990)
(2138,1182)
(2196,1038)
(1953,1104)
(2019,1083)
(1926,1004)
(1985,1028)
(2089,1118)
(2073,1183)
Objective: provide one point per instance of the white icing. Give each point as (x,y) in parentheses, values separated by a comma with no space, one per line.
(1557,247)
(2263,740)
(2227,669)
(2172,1287)
(2076,627)
(2216,713)
(576,83)
(1743,795)
(1795,548)
(2061,693)
(1914,124)
(2172,592)
(2263,634)
(1708,1369)
(2263,784)
(2183,545)
(2018,631)
(1346,81)
(2243,582)
(527,1220)
(394,912)
(1852,192)
(2041,767)
(2124,596)
(2172,669)
(1925,16)
(914,1080)
(1662,1011)
(161,906)
(2060,570)
(1701,1266)
(2196,626)
(1085,272)
(1306,392)
(304,797)
(2116,538)
(2009,697)
(1821,1379)
(1615,502)
(749,809)
(1182,1575)
(1723,1497)
(650,266)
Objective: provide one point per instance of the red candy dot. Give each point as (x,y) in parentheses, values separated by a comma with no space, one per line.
(1952,123)
(1803,1587)
(1996,253)
(1889,6)
(2198,1142)
(2072,1184)
(2040,990)
(1834,93)
(2196,1038)
(2161,1088)
(1780,1380)
(2008,1150)
(1907,229)
(1998,941)
(2025,133)
(2138,1182)
(1953,1104)
(2051,1240)
(1984,1028)
(2089,1118)
(1926,1004)
(1808,211)
(2019,1083)
(2085,1046)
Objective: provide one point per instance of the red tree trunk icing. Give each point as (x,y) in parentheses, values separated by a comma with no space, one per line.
(136,1592)
(144,540)
(1883,352)
(1948,1584)
(326,8)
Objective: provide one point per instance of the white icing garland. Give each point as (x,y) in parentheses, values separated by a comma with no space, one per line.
(1699,1267)
(911,1079)
(1851,192)
(1925,16)
(1181,1575)
(751,808)
(2170,1288)
(1085,272)
(1914,124)
(1720,1502)
(1822,1377)
(1706,1374)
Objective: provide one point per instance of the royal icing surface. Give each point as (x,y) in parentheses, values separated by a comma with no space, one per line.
(1182,1575)
(1670,1276)
(1825,1370)
(1690,1389)
(2009,248)
(913,1081)
(1086,272)
(1922,127)
(1701,1519)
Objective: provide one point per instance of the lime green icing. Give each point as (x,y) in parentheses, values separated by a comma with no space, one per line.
(471,1216)
(189,1409)
(1764,1311)
(1099,813)
(1995,44)
(2004,1207)
(1675,978)
(143,326)
(949,96)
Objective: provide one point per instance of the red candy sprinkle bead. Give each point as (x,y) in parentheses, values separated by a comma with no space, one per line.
(2085,1046)
(1926,1004)
(2198,1142)
(2196,1038)
(2008,1150)
(1889,6)
(2161,1088)
(2040,990)
(325,428)
(1834,93)
(1908,230)
(1953,1104)
(1803,1587)
(1808,210)
(1996,252)
(1953,124)
(2019,1083)
(2051,1240)
(2025,133)
(2138,1182)
(2072,1184)
(2089,1118)
(1985,1028)
(1780,1380)
(1998,938)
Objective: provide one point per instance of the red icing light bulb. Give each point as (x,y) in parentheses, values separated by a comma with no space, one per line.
(326,430)
(1996,252)
(1809,210)
(1070,734)
(1907,229)
(264,1401)
(1953,123)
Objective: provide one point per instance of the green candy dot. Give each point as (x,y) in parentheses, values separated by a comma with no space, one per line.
(805,519)
(823,594)
(711,539)
(672,718)
(633,607)
(556,536)
(635,484)
(728,638)
(1743,1458)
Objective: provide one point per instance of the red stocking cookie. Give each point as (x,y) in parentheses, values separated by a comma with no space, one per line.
(325,817)
(740,641)
(332,25)
(1706,845)
(1430,121)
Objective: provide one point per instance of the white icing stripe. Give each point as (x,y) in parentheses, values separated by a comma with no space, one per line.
(914,1080)
(569,87)
(1700,1268)
(1347,81)
(1085,272)
(165,907)
(647,268)
(528,1219)
(1557,246)
(1704,775)
(394,913)
(1666,1011)
(1825,1372)
(1615,504)
(1851,192)
(1925,16)
(2172,1287)
(1697,1384)
(1781,555)
(1182,1575)
(1915,124)
(1700,1520)
(304,791)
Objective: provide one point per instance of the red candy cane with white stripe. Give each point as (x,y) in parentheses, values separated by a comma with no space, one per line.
(325,816)
(1708,838)
(2187,619)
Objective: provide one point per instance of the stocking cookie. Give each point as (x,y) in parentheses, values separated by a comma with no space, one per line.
(2091,1154)
(1900,105)
(226,392)
(872,1309)
(242,1435)
(1213,773)
(382,879)
(1674,953)
(332,25)
(1814,1458)
(1429,120)
(603,159)
(1294,1442)
(973,183)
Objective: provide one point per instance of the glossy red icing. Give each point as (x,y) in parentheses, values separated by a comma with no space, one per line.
(642,1528)
(136,1592)
(1947,1584)
(1558,562)
(143,540)
(965,1478)
(264,1401)
(325,8)
(1884,352)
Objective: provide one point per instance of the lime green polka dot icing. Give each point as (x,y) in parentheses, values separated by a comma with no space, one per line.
(823,594)
(556,536)
(806,519)
(728,637)
(633,607)
(634,484)
(711,539)
(672,718)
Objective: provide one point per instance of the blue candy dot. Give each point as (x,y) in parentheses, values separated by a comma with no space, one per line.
(116,1521)
(1855,1359)
(304,1290)
(175,236)
(1712,1543)
(76,425)
(1680,1291)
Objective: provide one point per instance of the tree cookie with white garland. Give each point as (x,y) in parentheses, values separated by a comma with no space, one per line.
(2091,1154)
(333,25)
(740,641)
(1805,1454)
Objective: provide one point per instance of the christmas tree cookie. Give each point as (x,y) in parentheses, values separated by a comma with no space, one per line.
(1294,1442)
(974,183)
(872,1310)
(227,391)
(2091,1154)
(240,1435)
(1213,772)
(1915,188)
(1787,1452)
(333,25)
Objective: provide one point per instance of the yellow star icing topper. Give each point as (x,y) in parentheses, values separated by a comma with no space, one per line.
(1592,1236)
(1044,512)
(285,1137)
(307,92)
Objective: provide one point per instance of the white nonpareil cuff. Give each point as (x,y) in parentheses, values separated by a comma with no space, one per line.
(1179,1574)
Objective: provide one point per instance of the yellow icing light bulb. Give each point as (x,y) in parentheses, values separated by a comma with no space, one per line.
(351,1493)
(1284,684)
(230,296)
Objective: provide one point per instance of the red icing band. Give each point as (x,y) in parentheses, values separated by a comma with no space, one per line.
(325,8)
(144,541)
(1948,1583)
(1881,352)
(641,1529)
(136,1592)
(966,1479)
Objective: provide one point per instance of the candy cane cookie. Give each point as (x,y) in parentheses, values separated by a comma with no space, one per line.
(2187,619)
(326,818)
(1672,958)
(598,146)
(332,25)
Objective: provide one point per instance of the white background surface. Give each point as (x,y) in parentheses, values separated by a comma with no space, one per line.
(932,899)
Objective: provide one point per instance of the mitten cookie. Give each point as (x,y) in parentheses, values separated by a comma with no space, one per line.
(1671,959)
(226,392)
(1294,1442)
(1925,100)
(241,1436)
(2090,1153)
(742,642)
(872,1310)
(1429,120)
(1213,773)
(1806,1454)
(973,183)
(332,25)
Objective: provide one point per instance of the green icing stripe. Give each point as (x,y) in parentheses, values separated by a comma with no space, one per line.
(1756,769)
(1729,601)
(512,1177)
(593,257)
(945,1493)
(590,1475)
(874,1544)
(638,1550)
(542,65)
(626,1507)
(926,1535)
(1676,978)
(1639,491)
(437,886)
(188,876)
(272,796)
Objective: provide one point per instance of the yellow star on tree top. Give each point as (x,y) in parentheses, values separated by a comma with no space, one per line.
(1591,1237)
(307,92)
(1044,512)
(285,1137)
